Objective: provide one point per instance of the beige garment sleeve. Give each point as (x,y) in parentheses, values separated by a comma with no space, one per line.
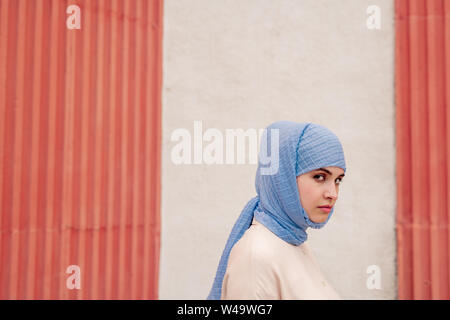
(251,273)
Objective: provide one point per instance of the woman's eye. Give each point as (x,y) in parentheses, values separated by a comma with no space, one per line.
(319,176)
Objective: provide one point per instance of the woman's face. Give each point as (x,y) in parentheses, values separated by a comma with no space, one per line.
(319,188)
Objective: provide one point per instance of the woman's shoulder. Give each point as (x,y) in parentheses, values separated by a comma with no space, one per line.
(258,243)
(254,266)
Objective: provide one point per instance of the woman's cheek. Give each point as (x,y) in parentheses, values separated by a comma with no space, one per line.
(308,198)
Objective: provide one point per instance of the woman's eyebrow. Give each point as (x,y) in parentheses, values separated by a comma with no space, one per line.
(327,171)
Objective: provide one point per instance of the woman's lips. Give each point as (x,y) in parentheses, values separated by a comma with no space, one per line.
(326,209)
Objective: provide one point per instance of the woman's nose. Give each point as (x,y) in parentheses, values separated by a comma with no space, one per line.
(331,192)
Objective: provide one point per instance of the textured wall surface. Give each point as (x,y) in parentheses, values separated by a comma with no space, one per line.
(244,64)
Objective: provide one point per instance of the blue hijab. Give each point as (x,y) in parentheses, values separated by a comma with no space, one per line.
(301,147)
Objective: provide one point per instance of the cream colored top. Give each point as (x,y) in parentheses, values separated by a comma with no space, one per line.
(263,266)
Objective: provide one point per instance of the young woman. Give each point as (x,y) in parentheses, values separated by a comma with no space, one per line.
(266,255)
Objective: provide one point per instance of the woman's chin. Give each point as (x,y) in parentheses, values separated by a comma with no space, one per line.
(322,217)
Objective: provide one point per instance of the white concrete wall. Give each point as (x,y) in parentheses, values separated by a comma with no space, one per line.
(246,63)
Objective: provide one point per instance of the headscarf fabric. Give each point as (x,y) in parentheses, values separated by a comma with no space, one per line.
(299,148)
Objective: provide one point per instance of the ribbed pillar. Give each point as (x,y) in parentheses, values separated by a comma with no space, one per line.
(80,134)
(423,146)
